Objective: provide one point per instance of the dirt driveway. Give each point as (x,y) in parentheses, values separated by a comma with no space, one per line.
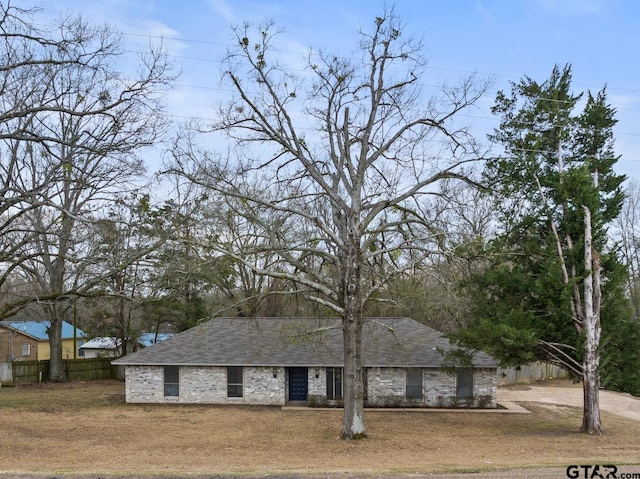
(569,394)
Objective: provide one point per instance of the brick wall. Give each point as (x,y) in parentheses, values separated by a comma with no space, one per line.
(317,382)
(12,341)
(144,384)
(386,387)
(485,387)
(439,388)
(205,385)
(5,345)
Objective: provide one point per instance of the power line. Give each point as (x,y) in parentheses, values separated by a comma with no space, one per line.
(426,85)
(453,70)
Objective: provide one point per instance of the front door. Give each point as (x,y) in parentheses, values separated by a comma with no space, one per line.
(298,384)
(464,388)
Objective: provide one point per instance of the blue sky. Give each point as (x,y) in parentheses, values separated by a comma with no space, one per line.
(506,39)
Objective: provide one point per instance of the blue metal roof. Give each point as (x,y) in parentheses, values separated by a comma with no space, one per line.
(149,339)
(38,329)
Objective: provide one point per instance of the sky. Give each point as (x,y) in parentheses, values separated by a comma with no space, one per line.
(502,39)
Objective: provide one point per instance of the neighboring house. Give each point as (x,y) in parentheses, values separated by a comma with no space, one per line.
(29,340)
(272,361)
(110,347)
(149,339)
(101,347)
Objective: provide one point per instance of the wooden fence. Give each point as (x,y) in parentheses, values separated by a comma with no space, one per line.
(30,372)
(530,373)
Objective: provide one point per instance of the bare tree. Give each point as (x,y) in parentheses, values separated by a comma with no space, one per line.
(26,56)
(461,220)
(69,151)
(627,227)
(125,249)
(350,147)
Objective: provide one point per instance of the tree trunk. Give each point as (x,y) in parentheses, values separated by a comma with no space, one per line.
(352,321)
(353,419)
(57,372)
(57,312)
(591,423)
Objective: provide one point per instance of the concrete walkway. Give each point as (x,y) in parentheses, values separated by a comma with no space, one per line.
(620,404)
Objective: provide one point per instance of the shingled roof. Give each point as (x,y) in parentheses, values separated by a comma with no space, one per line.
(399,342)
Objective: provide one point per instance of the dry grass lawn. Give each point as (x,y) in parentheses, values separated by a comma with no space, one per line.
(87,429)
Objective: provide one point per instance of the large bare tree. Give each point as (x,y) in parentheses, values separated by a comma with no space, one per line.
(350,146)
(70,145)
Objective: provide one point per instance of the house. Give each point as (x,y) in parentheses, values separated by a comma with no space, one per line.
(101,347)
(29,340)
(273,361)
(110,347)
(149,339)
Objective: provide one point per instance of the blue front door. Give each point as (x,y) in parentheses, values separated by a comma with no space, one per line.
(298,384)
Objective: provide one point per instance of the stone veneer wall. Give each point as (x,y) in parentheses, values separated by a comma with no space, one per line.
(143,384)
(205,385)
(439,388)
(386,387)
(485,387)
(317,383)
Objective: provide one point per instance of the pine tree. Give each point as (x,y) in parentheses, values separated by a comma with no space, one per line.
(550,274)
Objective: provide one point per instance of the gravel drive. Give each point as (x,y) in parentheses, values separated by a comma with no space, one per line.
(620,404)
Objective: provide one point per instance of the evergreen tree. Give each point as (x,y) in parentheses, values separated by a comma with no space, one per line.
(550,279)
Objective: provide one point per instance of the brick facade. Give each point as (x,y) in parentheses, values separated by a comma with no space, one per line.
(386,387)
(205,385)
(11,346)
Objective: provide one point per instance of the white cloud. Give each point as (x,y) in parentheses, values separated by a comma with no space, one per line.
(222,8)
(624,101)
(484,13)
(153,30)
(157,29)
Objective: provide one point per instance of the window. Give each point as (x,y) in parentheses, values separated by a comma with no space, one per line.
(25,349)
(414,383)
(365,379)
(334,383)
(171,381)
(234,382)
(464,388)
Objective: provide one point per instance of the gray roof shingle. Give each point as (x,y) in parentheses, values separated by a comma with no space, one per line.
(400,342)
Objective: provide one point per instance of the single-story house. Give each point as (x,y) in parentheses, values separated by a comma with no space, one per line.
(110,347)
(273,361)
(101,347)
(29,340)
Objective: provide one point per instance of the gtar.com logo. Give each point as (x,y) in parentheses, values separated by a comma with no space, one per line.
(591,472)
